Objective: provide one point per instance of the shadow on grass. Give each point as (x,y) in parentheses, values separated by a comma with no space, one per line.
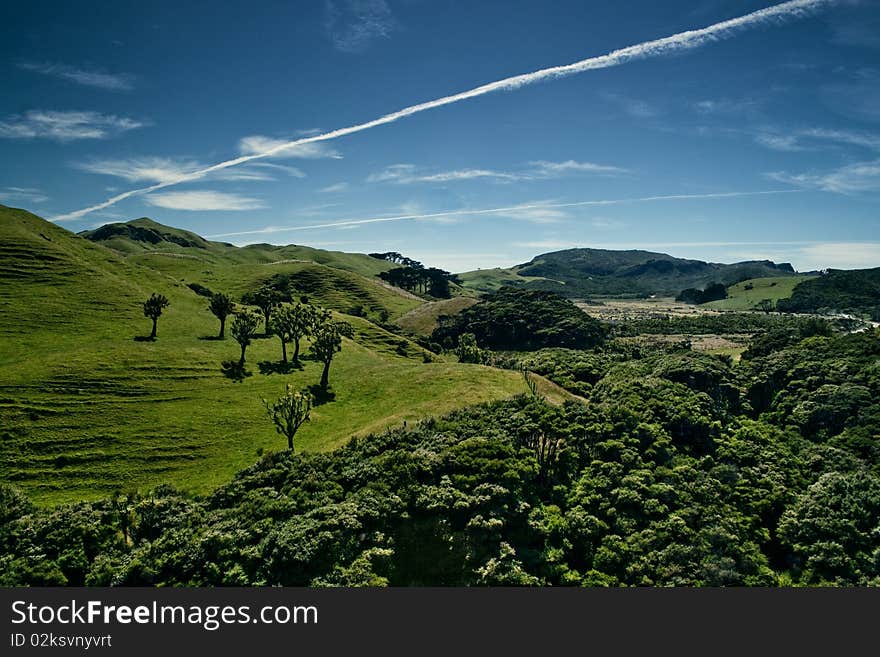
(210,337)
(321,395)
(233,370)
(277,367)
(144,338)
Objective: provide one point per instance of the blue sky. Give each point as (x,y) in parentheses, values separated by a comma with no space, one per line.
(674,144)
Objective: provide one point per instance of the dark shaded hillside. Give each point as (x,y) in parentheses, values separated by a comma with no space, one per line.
(596,272)
(145,231)
(856,291)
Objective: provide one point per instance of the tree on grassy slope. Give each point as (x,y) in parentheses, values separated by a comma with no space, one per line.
(266,299)
(289,412)
(326,341)
(221,306)
(244,328)
(153,308)
(291,324)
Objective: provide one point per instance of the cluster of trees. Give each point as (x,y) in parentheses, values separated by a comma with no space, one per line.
(521,320)
(412,275)
(712,292)
(425,280)
(291,323)
(397,259)
(681,469)
(719,324)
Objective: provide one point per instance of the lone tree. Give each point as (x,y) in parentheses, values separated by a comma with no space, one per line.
(326,341)
(289,412)
(291,324)
(266,299)
(153,308)
(244,327)
(222,307)
(766,305)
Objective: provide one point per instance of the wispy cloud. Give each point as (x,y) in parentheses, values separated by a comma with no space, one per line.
(545,169)
(668,45)
(65,125)
(815,139)
(203,200)
(406,174)
(727,106)
(352,25)
(537,212)
(334,189)
(161,169)
(785,143)
(88,77)
(293,172)
(850,179)
(22,195)
(638,108)
(502,211)
(140,169)
(282,148)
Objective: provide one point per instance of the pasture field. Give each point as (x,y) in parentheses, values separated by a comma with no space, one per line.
(88,407)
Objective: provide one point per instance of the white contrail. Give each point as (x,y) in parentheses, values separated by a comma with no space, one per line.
(511,208)
(676,42)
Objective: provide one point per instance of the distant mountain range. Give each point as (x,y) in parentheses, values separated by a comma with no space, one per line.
(575,273)
(601,272)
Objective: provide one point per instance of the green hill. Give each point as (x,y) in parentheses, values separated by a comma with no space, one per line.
(333,279)
(748,294)
(86,409)
(604,273)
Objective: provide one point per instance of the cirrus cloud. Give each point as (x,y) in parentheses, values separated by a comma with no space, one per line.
(65,126)
(87,77)
(203,200)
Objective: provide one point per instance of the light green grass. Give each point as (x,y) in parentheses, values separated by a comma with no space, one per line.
(423,319)
(86,410)
(489,280)
(740,298)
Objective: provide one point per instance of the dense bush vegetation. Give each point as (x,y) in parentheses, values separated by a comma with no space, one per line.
(713,292)
(856,291)
(681,469)
(517,319)
(720,324)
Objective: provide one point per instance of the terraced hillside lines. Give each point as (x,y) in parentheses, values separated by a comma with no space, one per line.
(748,294)
(87,409)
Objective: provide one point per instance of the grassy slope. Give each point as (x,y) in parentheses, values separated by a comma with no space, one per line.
(85,409)
(739,298)
(423,320)
(489,280)
(330,278)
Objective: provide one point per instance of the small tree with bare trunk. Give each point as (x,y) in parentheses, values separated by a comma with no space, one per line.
(153,308)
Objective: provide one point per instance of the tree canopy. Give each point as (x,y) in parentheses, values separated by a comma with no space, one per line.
(517,319)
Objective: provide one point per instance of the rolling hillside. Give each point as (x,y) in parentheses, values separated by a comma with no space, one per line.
(746,295)
(87,409)
(602,273)
(333,279)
